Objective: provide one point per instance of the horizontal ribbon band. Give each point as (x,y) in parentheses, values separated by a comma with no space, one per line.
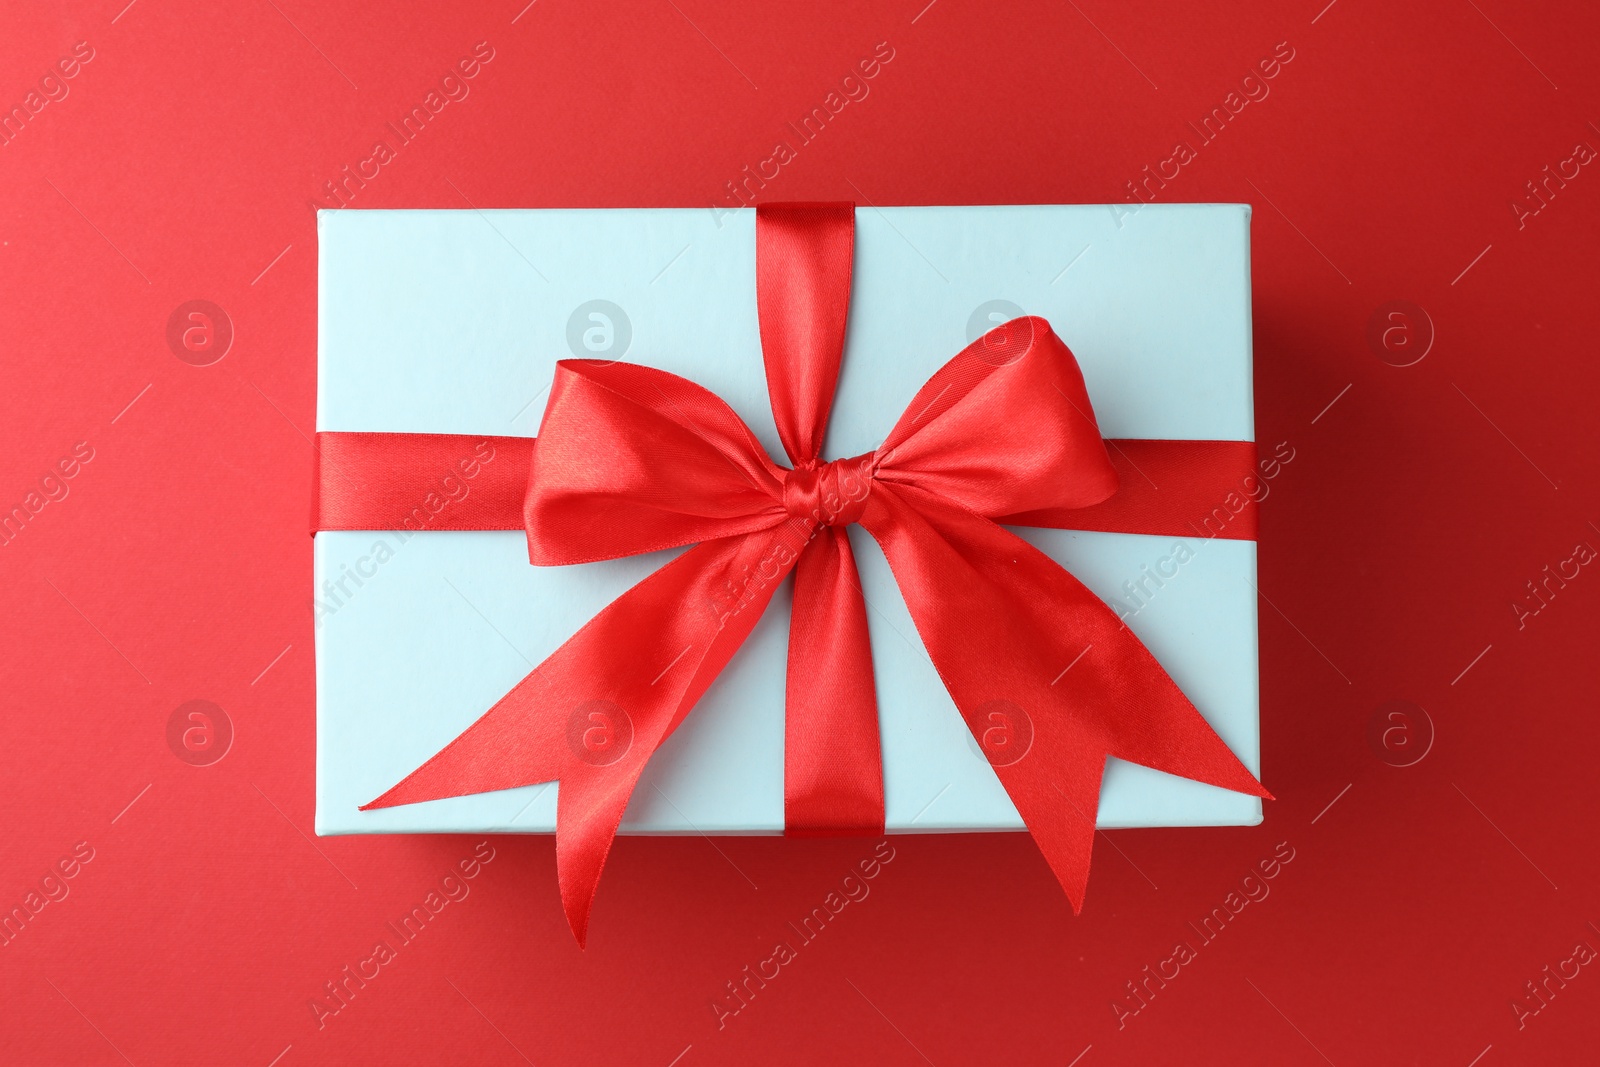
(414,481)
(419,481)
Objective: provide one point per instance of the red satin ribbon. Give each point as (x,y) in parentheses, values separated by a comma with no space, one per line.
(414,481)
(630,459)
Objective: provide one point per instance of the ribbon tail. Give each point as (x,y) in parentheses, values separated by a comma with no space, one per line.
(832,755)
(592,714)
(1047,677)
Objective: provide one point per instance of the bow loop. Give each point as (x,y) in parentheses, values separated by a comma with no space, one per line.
(1004,427)
(631,459)
(803,259)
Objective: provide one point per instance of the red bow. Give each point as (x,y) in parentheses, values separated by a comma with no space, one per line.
(631,460)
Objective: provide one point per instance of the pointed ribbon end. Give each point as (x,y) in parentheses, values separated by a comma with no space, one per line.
(579,876)
(1238,779)
(391,799)
(578,920)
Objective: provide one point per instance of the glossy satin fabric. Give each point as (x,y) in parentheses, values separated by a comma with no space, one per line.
(630,459)
(832,765)
(378,481)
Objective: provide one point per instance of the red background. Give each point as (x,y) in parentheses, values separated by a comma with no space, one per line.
(1382,166)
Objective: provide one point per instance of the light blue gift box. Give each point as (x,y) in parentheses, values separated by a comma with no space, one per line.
(452,322)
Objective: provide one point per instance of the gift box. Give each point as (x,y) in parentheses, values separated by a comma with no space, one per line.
(452,323)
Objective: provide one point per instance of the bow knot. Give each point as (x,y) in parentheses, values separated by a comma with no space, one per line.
(829,494)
